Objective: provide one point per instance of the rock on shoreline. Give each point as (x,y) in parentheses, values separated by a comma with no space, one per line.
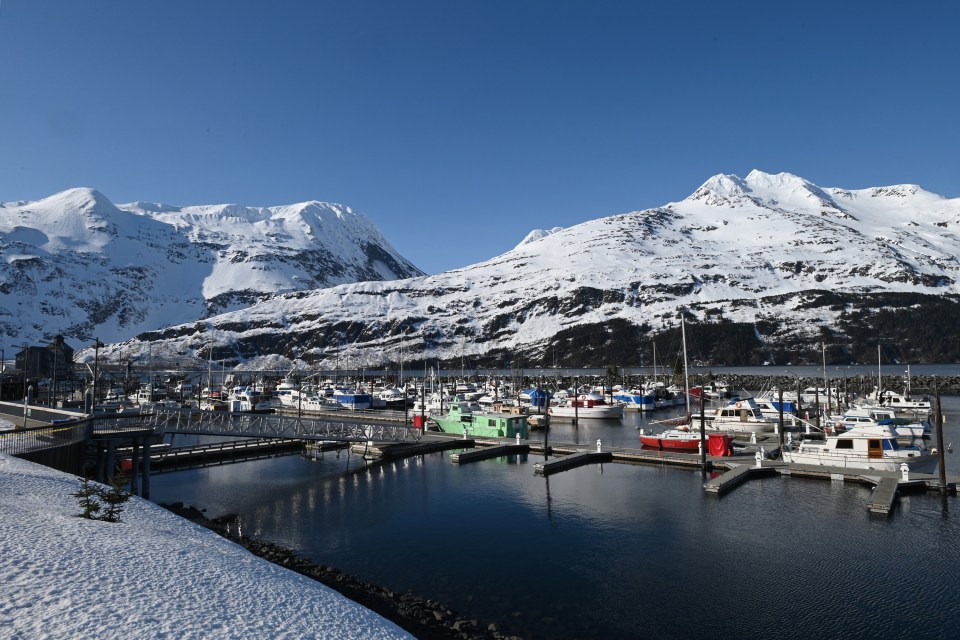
(424,618)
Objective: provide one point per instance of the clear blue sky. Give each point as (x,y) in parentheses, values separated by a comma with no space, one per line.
(458,126)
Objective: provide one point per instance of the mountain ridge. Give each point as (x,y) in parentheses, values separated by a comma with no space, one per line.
(752,252)
(76,263)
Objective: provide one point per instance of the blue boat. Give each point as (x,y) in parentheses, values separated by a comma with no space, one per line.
(633,401)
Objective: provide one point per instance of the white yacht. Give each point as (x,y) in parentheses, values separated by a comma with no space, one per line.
(897,401)
(742,416)
(591,405)
(902,427)
(866,447)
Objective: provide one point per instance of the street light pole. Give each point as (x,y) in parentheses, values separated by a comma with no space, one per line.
(96,372)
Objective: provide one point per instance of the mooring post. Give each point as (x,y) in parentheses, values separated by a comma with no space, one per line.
(904,472)
(135,468)
(599,447)
(518,437)
(780,424)
(938,419)
(759,458)
(145,483)
(703,436)
(111,464)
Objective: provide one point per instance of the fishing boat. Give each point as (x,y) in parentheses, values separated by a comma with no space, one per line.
(635,400)
(350,399)
(590,405)
(462,417)
(865,447)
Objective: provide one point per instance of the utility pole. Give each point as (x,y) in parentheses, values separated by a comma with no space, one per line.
(96,371)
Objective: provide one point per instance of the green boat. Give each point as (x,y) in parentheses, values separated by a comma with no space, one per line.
(478,424)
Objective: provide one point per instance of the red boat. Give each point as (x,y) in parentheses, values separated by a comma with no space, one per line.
(687,440)
(679,439)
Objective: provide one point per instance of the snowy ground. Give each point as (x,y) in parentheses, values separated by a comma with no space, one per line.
(153,575)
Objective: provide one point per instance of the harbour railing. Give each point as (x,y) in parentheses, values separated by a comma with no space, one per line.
(60,446)
(224,423)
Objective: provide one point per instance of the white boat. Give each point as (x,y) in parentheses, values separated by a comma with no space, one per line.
(901,402)
(771,409)
(391,397)
(742,416)
(308,401)
(866,447)
(812,395)
(591,405)
(903,427)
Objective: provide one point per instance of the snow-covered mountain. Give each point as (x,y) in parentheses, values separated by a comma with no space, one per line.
(763,262)
(78,264)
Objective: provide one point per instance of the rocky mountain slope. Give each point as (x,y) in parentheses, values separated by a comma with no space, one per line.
(765,267)
(78,264)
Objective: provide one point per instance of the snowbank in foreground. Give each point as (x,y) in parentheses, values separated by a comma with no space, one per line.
(153,575)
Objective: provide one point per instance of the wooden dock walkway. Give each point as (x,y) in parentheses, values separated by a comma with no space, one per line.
(735,476)
(881,501)
(572,461)
(393,451)
(487,453)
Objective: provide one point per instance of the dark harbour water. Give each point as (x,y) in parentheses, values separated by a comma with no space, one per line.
(611,551)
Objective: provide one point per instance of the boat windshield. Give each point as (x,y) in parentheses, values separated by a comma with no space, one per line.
(890,444)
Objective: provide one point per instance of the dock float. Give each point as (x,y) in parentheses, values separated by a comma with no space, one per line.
(496,451)
(394,451)
(733,477)
(884,494)
(572,461)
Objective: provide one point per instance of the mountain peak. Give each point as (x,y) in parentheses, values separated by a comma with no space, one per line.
(537,234)
(79,199)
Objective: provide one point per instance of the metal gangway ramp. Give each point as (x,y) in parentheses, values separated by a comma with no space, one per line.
(269,425)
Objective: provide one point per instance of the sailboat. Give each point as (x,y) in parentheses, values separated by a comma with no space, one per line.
(681,437)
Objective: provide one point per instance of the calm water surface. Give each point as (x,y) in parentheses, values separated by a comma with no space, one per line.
(611,551)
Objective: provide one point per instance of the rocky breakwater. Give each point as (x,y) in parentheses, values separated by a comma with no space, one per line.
(424,618)
(857,385)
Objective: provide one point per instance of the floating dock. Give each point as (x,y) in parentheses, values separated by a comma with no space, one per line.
(496,451)
(736,475)
(883,496)
(572,461)
(393,451)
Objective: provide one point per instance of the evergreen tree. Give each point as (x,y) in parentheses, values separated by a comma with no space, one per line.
(87,497)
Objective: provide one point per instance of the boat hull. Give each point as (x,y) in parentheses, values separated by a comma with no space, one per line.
(479,426)
(925,463)
(690,444)
(607,412)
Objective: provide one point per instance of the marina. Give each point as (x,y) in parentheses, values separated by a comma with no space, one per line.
(586,493)
(592,530)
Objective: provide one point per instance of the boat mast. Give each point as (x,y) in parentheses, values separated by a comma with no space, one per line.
(879,376)
(826,385)
(654,365)
(686,375)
